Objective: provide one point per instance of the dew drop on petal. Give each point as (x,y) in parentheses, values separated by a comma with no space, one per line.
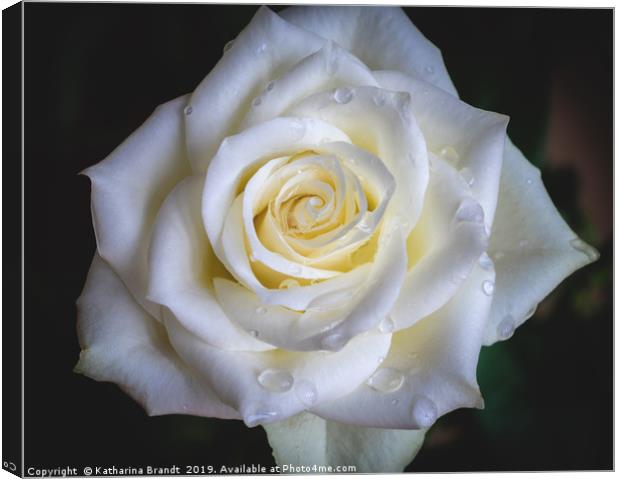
(254,333)
(469,211)
(485,262)
(429,69)
(289,283)
(257,101)
(584,248)
(276,380)
(448,153)
(334,342)
(467,175)
(529,181)
(379,98)
(386,380)
(488,287)
(387,325)
(270,85)
(261,310)
(261,48)
(306,392)
(394,402)
(259,417)
(506,327)
(424,412)
(188,110)
(343,95)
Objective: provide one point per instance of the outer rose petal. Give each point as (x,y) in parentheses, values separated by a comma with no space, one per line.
(532,246)
(383,38)
(438,356)
(308,440)
(182,267)
(128,188)
(265,49)
(234,374)
(123,344)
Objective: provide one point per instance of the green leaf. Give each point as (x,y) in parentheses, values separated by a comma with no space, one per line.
(308,440)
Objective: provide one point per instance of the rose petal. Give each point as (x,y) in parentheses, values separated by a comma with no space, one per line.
(316,376)
(238,154)
(182,267)
(383,38)
(332,318)
(326,69)
(123,344)
(470,138)
(307,440)
(442,248)
(266,46)
(437,357)
(382,123)
(532,246)
(129,186)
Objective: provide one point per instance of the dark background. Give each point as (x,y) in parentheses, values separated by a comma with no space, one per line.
(94,73)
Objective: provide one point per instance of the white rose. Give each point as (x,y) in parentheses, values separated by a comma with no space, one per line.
(321,226)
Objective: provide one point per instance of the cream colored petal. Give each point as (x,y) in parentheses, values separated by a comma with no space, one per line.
(449,239)
(436,359)
(472,140)
(122,343)
(382,37)
(182,266)
(128,188)
(532,246)
(267,47)
(307,440)
(299,379)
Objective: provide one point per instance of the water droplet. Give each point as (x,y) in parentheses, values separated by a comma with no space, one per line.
(429,69)
(261,310)
(306,392)
(276,380)
(386,380)
(254,333)
(584,248)
(289,283)
(380,359)
(485,262)
(364,227)
(468,175)
(379,99)
(506,327)
(343,95)
(259,417)
(257,101)
(188,110)
(424,412)
(530,312)
(523,243)
(334,342)
(469,211)
(394,402)
(228,45)
(448,153)
(261,48)
(529,181)
(270,85)
(387,325)
(488,287)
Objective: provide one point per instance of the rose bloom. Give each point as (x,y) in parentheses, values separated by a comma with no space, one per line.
(319,239)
